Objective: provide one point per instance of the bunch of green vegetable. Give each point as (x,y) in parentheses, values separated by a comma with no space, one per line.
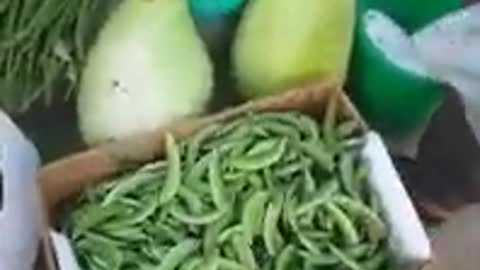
(43,46)
(265,191)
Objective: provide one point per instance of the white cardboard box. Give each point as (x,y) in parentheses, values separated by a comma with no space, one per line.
(408,238)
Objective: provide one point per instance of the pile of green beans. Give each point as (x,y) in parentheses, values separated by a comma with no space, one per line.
(270,191)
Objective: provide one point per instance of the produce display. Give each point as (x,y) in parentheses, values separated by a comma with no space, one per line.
(273,190)
(270,190)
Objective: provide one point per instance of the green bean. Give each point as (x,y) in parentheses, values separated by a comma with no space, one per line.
(347,173)
(289,217)
(174,174)
(290,169)
(235,176)
(191,263)
(323,196)
(376,262)
(358,251)
(256,181)
(155,252)
(316,234)
(97,238)
(216,182)
(235,134)
(241,145)
(235,145)
(268,265)
(362,185)
(296,120)
(212,233)
(318,153)
(309,125)
(195,143)
(198,169)
(355,143)
(210,239)
(329,123)
(227,264)
(177,254)
(244,252)
(209,263)
(129,184)
(232,128)
(319,259)
(93,215)
(376,228)
(361,173)
(168,232)
(260,160)
(268,179)
(285,258)
(346,129)
(374,202)
(346,260)
(262,146)
(131,234)
(230,232)
(308,266)
(344,224)
(279,129)
(129,202)
(202,219)
(306,242)
(237,187)
(192,200)
(292,155)
(253,213)
(147,210)
(99,262)
(260,132)
(229,252)
(272,237)
(306,220)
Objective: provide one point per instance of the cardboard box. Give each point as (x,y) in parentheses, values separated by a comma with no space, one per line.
(65,178)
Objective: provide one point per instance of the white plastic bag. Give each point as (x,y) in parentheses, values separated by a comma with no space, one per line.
(450,47)
(20,220)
